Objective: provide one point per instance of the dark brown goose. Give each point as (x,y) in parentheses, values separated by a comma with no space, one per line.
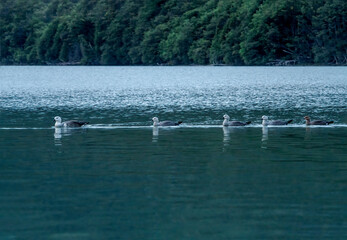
(317,122)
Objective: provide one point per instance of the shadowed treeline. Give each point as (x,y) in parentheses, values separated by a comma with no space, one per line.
(125,32)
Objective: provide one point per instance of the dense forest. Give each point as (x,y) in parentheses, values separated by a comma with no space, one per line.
(173,32)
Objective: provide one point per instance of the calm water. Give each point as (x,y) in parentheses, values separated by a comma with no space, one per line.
(119,178)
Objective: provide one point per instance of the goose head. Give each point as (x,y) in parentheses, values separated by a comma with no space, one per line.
(264,117)
(155,121)
(57,119)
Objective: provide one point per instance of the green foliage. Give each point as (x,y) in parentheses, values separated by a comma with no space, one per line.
(124,32)
(330,26)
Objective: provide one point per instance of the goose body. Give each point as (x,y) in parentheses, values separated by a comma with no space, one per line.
(226,122)
(165,123)
(70,123)
(266,122)
(316,122)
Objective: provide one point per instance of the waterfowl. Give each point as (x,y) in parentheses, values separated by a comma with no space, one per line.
(226,122)
(316,122)
(275,122)
(70,123)
(165,123)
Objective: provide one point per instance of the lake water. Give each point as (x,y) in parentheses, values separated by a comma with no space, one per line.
(120,178)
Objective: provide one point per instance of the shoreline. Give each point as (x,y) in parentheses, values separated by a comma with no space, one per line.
(178,65)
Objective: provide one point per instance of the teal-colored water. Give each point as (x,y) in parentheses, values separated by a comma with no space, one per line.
(120,178)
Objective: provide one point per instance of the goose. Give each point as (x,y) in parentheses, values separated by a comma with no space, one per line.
(164,123)
(70,123)
(226,122)
(316,122)
(275,122)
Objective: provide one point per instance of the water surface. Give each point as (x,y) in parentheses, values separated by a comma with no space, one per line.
(196,95)
(120,178)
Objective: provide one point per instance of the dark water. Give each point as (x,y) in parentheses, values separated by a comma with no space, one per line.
(119,178)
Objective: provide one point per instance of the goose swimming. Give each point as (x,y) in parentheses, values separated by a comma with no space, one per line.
(275,122)
(165,123)
(226,122)
(70,123)
(316,122)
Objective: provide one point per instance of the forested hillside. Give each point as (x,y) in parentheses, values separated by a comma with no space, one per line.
(127,32)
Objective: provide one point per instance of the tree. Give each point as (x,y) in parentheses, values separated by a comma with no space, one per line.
(330,26)
(120,32)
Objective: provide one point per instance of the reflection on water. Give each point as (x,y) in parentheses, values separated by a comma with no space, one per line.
(308,133)
(60,133)
(155,133)
(118,177)
(264,137)
(316,131)
(57,136)
(226,134)
(57,133)
(157,129)
(236,137)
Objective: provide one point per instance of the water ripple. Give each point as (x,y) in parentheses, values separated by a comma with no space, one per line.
(192,94)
